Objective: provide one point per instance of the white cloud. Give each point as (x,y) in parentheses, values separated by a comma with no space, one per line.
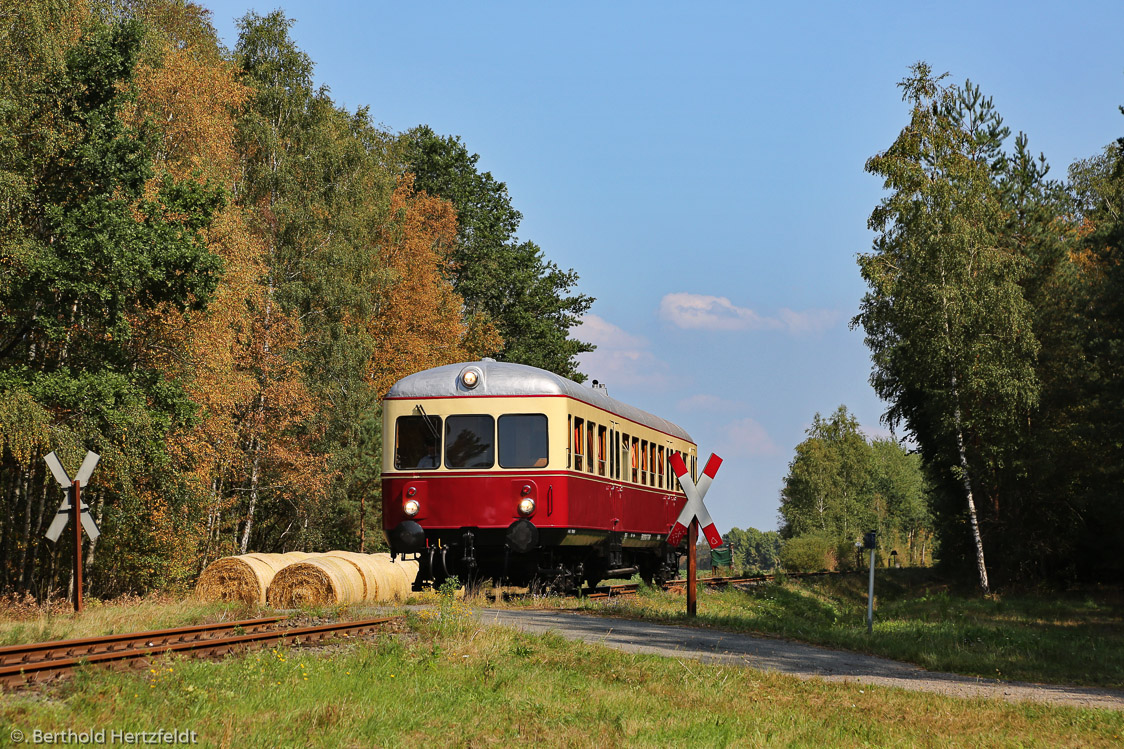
(705,312)
(620,358)
(601,332)
(747,437)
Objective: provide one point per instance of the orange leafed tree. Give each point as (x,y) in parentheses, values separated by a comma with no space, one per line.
(420,322)
(237,362)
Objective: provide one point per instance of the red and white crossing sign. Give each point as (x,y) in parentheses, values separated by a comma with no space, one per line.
(695,507)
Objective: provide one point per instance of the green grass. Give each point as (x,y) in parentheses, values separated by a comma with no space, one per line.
(26,621)
(1075,638)
(445,681)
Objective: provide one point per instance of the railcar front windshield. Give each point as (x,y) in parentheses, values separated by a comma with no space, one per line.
(470,441)
(523,441)
(417,442)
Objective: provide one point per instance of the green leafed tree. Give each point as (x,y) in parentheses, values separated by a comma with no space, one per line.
(948,326)
(840,485)
(827,490)
(754,551)
(528,298)
(91,246)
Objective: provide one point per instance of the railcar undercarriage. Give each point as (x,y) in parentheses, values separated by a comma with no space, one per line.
(525,555)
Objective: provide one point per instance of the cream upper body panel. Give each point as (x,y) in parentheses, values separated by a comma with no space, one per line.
(499,388)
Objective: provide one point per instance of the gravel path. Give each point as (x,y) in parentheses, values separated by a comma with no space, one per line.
(793,658)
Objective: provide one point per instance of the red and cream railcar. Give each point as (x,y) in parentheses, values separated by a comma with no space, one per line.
(501,470)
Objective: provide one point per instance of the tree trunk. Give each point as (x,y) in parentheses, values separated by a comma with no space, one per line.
(965,478)
(36,539)
(362,521)
(21,571)
(965,475)
(254,474)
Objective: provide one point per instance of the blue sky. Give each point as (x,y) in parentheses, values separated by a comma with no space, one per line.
(701,168)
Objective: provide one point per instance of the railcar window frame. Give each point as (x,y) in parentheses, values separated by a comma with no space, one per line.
(578,437)
(543,457)
(490,450)
(435,429)
(591,444)
(602,434)
(634,459)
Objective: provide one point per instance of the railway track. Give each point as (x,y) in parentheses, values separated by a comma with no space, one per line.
(719,581)
(39,662)
(614,591)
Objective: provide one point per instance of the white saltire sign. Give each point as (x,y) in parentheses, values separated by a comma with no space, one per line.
(65,481)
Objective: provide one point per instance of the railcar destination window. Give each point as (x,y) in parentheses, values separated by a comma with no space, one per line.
(417,442)
(470,441)
(522,440)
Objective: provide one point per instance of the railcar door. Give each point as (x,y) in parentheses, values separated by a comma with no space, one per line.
(616,492)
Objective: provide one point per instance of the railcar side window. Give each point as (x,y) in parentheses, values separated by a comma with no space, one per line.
(622,460)
(662,466)
(470,441)
(579,437)
(601,432)
(635,460)
(523,441)
(417,442)
(569,440)
(590,430)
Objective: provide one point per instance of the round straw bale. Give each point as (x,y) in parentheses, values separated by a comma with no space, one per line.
(281,561)
(242,578)
(402,575)
(317,581)
(375,579)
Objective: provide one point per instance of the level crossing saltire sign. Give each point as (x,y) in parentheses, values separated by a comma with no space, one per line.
(695,507)
(65,509)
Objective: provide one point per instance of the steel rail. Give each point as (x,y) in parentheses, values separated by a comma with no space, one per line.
(28,673)
(40,651)
(754,579)
(614,591)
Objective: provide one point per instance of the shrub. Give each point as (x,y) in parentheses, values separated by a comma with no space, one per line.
(808,554)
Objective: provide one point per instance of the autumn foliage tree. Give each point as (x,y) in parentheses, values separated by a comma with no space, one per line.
(209,274)
(419,325)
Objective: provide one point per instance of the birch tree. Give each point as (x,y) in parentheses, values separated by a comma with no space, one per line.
(949,329)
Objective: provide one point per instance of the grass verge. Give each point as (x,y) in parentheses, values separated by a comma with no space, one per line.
(1072,638)
(24,620)
(446,680)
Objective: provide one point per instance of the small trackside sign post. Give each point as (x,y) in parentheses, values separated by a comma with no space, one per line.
(693,515)
(73,508)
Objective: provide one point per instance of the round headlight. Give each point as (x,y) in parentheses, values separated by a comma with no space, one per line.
(411,507)
(526,506)
(469,379)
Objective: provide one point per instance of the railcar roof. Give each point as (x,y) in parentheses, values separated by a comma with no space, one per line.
(506,378)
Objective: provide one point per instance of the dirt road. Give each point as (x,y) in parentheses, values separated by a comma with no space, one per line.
(781,656)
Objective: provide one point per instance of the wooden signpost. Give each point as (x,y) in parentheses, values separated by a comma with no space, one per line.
(72,508)
(693,515)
